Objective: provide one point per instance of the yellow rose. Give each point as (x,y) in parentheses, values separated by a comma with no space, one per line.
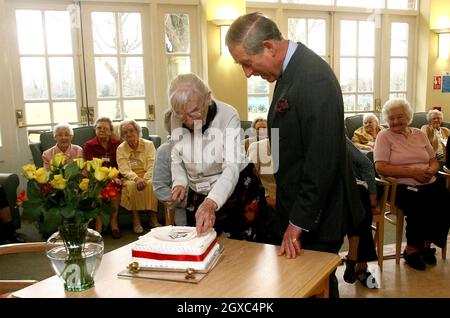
(84,184)
(80,163)
(58,182)
(29,171)
(41,175)
(57,160)
(113,173)
(94,164)
(101,173)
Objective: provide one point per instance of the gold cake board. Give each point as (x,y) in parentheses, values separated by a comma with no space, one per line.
(173,274)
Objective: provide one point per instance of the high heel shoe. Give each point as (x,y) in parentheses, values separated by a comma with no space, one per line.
(349,273)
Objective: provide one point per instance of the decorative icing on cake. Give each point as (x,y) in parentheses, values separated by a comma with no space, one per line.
(176,247)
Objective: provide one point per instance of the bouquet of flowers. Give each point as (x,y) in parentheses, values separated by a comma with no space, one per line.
(72,193)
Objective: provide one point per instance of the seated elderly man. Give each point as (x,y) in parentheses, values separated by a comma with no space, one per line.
(436,134)
(63,134)
(405,153)
(364,137)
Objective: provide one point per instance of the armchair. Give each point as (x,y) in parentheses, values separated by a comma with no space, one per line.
(10,182)
(352,123)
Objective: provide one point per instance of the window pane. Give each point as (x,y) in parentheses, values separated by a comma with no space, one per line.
(177,65)
(109,108)
(348,74)
(349,102)
(133,76)
(29,31)
(65,112)
(177,33)
(398,74)
(61,77)
(401,4)
(399,39)
(366,43)
(317,35)
(348,37)
(297,30)
(130,33)
(59,38)
(257,85)
(104,32)
(365,102)
(37,113)
(319,2)
(34,78)
(397,95)
(106,76)
(134,109)
(365,75)
(359,3)
(258,106)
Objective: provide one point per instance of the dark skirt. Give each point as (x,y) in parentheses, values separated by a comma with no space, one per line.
(426,209)
(244,216)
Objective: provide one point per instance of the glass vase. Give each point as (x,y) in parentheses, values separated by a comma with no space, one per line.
(75,253)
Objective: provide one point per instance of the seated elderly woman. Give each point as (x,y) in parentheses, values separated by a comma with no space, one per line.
(436,134)
(104,146)
(405,153)
(364,137)
(207,157)
(260,126)
(63,134)
(135,158)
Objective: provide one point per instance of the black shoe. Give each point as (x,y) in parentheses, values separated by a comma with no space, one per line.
(349,273)
(414,260)
(116,234)
(428,255)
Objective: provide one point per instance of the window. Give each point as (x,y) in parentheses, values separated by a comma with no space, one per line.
(357,64)
(398,60)
(370,53)
(47,66)
(69,74)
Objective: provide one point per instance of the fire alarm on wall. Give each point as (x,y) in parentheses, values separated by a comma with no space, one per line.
(437,82)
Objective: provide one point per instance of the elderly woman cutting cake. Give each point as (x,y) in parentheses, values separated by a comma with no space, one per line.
(207,157)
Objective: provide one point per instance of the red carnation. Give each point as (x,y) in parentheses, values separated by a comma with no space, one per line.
(282,105)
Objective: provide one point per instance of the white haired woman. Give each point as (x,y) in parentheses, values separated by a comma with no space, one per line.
(405,153)
(63,134)
(135,158)
(437,135)
(364,137)
(224,191)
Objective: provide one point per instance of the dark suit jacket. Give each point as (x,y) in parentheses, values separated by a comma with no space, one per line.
(316,189)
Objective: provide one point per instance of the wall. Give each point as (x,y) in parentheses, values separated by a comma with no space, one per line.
(438,9)
(226,78)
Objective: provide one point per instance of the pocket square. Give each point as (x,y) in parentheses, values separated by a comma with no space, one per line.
(282,105)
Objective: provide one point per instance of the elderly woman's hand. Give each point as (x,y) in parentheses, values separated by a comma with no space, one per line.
(205,217)
(178,193)
(423,175)
(140,183)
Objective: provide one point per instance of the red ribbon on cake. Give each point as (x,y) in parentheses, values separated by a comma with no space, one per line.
(173,257)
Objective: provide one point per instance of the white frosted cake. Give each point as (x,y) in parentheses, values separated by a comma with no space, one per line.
(176,247)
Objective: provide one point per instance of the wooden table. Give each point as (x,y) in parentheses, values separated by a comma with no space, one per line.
(245,270)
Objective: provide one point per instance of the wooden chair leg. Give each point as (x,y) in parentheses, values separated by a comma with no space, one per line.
(444,251)
(398,236)
(380,242)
